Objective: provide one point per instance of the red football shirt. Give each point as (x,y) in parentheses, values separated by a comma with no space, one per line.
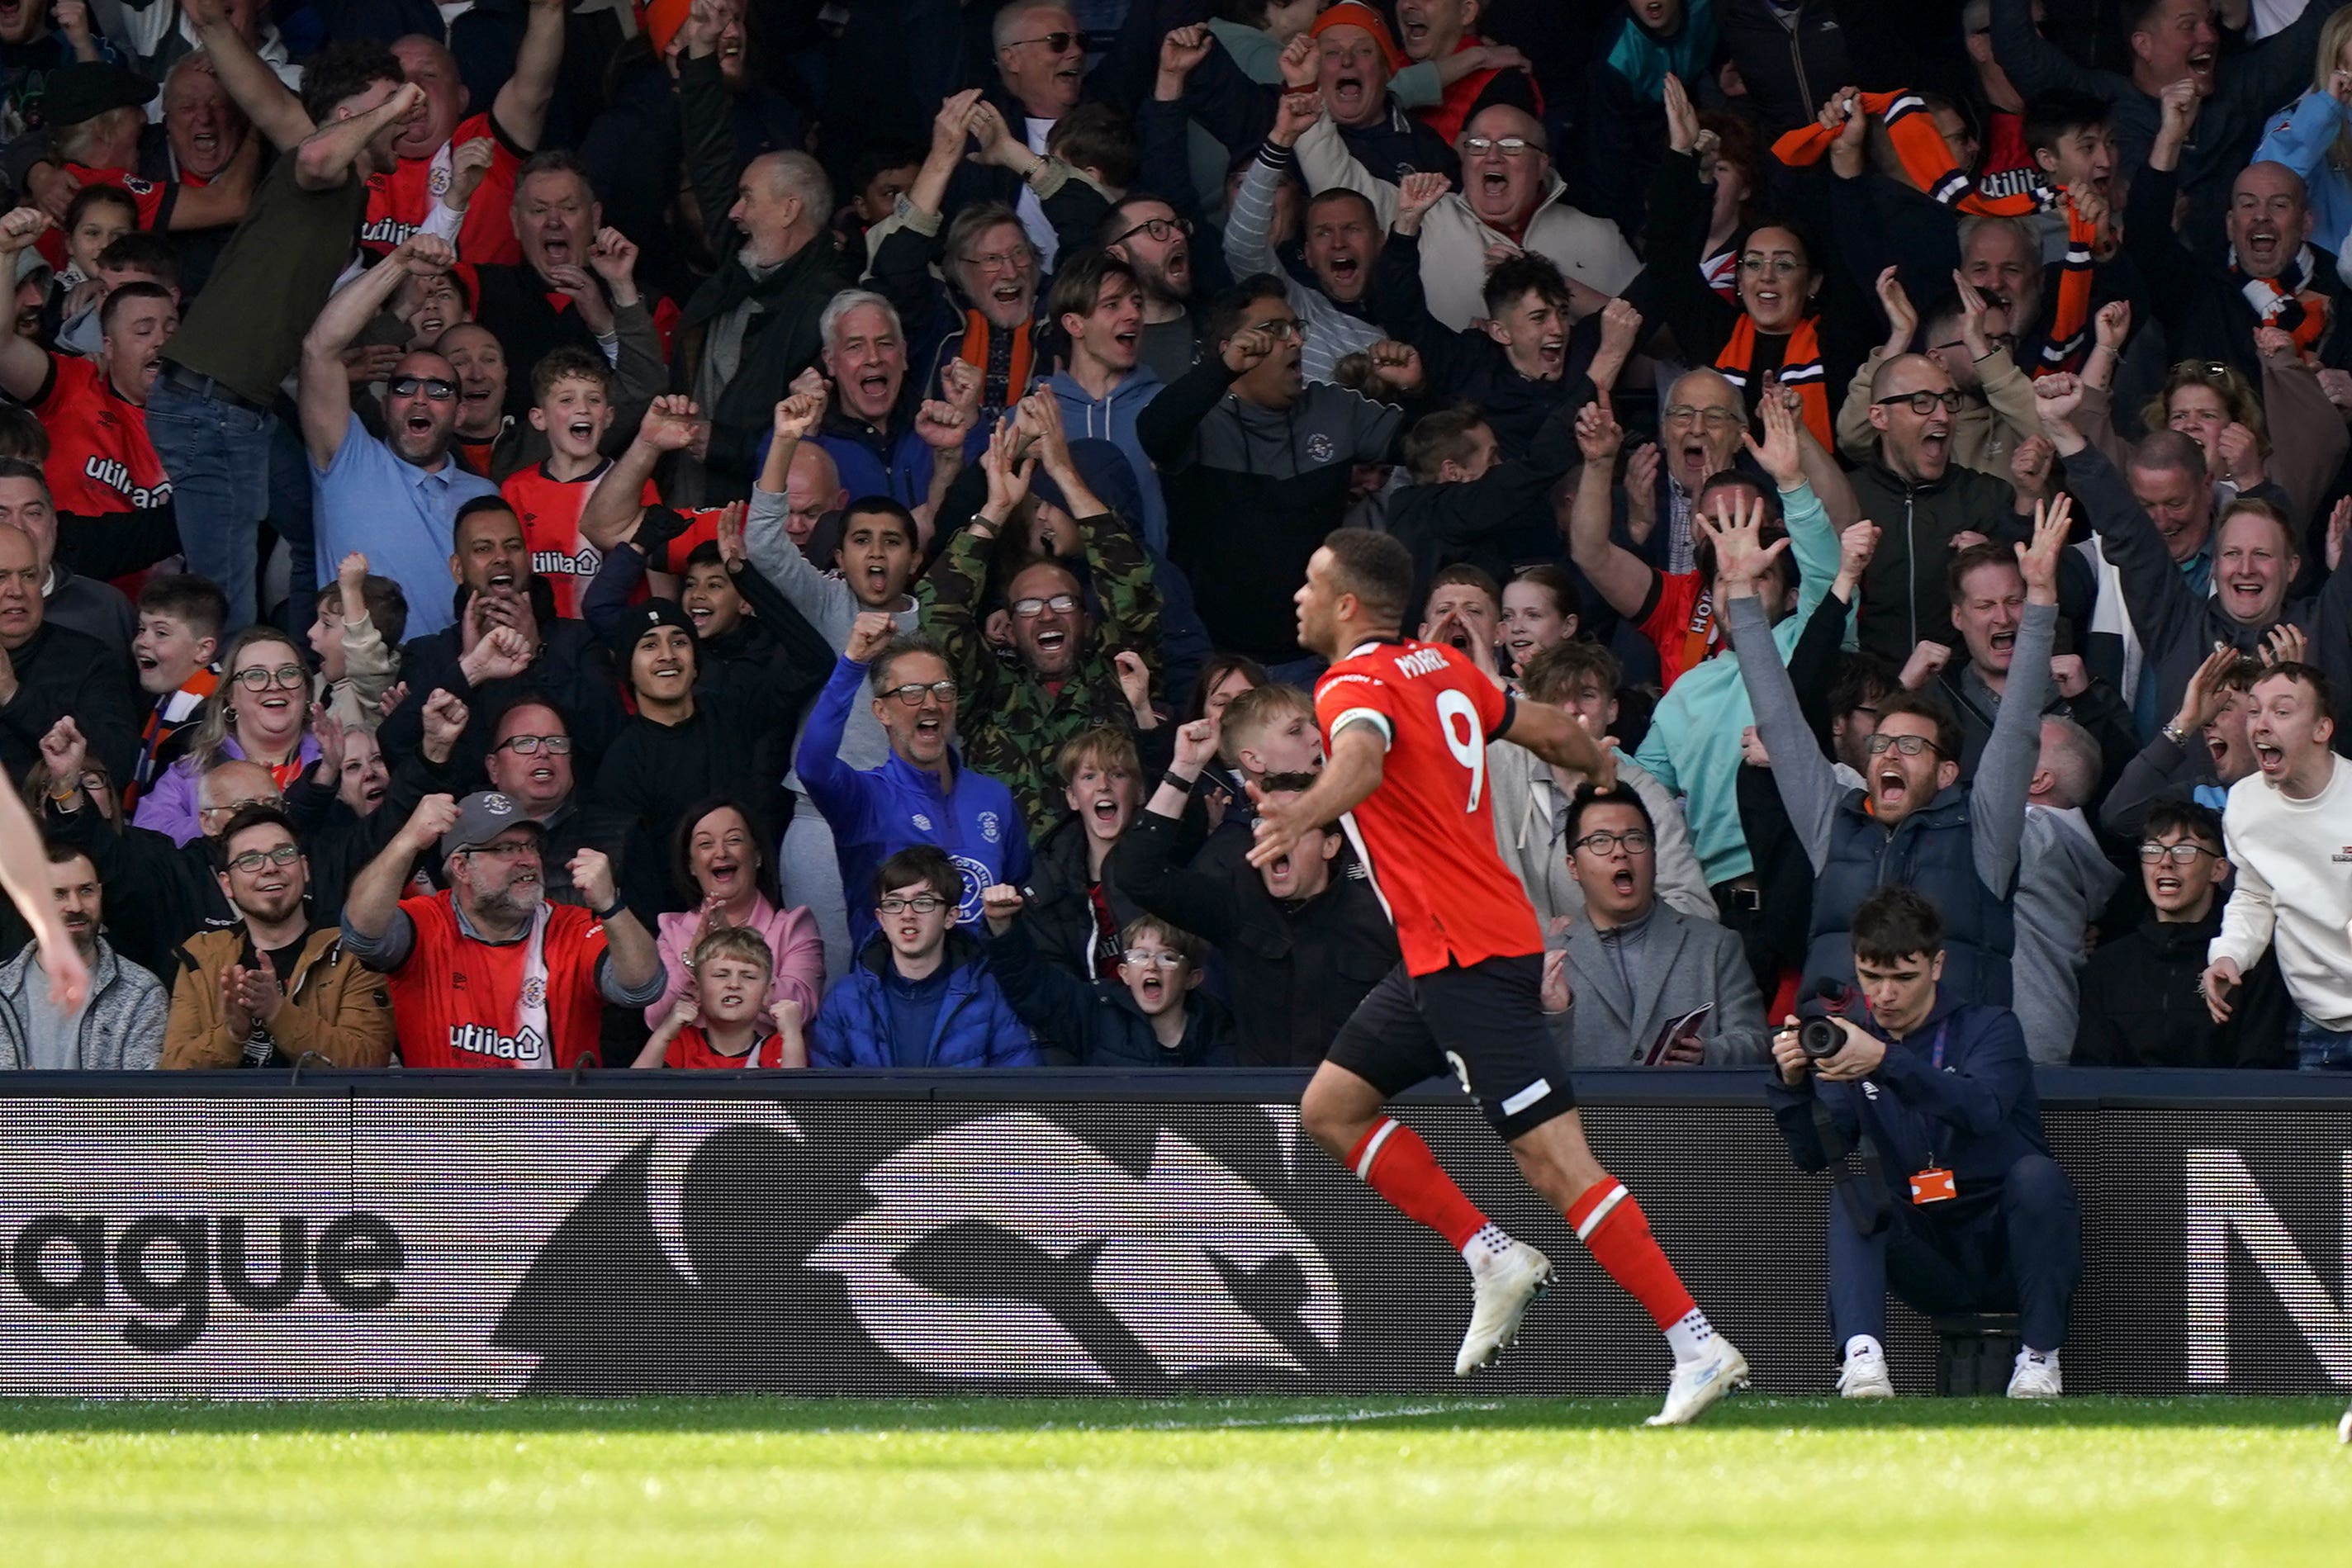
(400,202)
(692,1048)
(101,460)
(153,199)
(456,1002)
(549,509)
(1427,834)
(1680,624)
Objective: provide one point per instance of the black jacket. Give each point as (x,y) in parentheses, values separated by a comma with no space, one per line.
(573,672)
(157,893)
(1096,1023)
(2143,1005)
(1790,67)
(1296,970)
(1060,913)
(1904,599)
(59,671)
(779,342)
(2199,298)
(654,772)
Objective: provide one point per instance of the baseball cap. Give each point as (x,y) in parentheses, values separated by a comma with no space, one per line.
(88,88)
(481,816)
(1356,13)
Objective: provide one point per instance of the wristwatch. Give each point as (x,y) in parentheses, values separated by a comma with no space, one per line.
(2175,734)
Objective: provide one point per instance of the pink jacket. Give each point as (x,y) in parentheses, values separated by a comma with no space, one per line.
(792,937)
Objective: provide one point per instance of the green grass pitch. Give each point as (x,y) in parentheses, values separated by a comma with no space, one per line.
(1196,1482)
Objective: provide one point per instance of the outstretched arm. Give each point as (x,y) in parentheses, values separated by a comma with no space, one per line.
(1358,760)
(249,82)
(1623,579)
(326,157)
(520,110)
(325,386)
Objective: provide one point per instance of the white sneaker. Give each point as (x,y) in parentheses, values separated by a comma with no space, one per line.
(2035,1379)
(1699,1383)
(1864,1376)
(1499,1298)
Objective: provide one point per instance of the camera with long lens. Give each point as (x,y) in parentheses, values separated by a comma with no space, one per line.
(1818,1035)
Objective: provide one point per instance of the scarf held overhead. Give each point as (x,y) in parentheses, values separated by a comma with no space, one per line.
(1919,147)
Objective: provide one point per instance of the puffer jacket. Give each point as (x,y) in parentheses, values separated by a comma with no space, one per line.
(335,1007)
(976,1027)
(122,1029)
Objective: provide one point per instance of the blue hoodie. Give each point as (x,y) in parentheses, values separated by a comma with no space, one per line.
(1112,419)
(877,812)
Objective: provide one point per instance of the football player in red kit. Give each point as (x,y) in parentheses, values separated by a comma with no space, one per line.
(1405,725)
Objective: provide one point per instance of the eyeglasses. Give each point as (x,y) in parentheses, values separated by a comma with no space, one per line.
(1637,840)
(1778,266)
(286,677)
(1901,745)
(1280,328)
(1161,230)
(998,261)
(1713,418)
(1057,42)
(921,904)
(529,745)
(1925,402)
(912,692)
(513,849)
(1030,609)
(1159,959)
(1508,146)
(253,860)
(433,387)
(2178,854)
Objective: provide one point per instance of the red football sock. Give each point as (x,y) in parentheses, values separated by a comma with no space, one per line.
(1613,1228)
(1395,1163)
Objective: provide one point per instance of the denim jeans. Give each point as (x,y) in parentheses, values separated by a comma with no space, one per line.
(2319,1049)
(217,454)
(291,520)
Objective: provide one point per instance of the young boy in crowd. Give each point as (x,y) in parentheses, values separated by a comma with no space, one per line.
(179,621)
(356,633)
(920,994)
(572,404)
(1151,1016)
(1271,729)
(720,1022)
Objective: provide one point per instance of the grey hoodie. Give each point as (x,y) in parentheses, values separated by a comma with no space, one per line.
(2063,883)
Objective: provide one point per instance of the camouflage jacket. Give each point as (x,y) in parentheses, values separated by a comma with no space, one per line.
(1012,726)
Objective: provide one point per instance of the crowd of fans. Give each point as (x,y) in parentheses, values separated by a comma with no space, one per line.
(753,533)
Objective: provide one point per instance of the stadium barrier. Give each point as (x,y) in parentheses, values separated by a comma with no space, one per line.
(228,1234)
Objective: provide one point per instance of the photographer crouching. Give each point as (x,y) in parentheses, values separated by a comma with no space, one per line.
(1956,1203)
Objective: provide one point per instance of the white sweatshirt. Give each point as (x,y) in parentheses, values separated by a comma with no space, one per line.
(2294,891)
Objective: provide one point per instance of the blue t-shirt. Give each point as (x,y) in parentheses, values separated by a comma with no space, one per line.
(399,516)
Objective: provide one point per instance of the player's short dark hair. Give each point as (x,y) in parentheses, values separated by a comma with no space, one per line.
(1078,282)
(124,294)
(1553,675)
(1100,137)
(1934,709)
(2322,690)
(346,70)
(1516,277)
(1863,679)
(1226,309)
(1991,552)
(1376,569)
(1589,797)
(2190,818)
(569,362)
(1896,923)
(196,602)
(2059,112)
(1442,437)
(142,251)
(260,814)
(90,197)
(926,863)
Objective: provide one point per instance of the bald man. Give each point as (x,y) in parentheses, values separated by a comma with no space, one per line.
(1922,502)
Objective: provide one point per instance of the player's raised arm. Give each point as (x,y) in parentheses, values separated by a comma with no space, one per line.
(1359,756)
(1560,740)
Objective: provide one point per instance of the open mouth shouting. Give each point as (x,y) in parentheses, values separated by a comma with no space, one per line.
(1348,95)
(1104,811)
(555,244)
(724,874)
(1152,988)
(2200,70)
(2265,246)
(582,430)
(2243,596)
(1936,441)
(1891,786)
(1551,352)
(2270,760)
(2167,883)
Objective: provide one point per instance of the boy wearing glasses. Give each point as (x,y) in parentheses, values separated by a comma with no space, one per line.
(1153,1015)
(920,994)
(277,987)
(1651,985)
(2141,1002)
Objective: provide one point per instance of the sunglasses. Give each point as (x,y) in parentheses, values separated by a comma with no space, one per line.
(433,387)
(1056,42)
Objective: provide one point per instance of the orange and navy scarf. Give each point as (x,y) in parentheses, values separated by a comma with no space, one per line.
(1004,358)
(1801,367)
(1919,147)
(2287,304)
(171,713)
(2068,341)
